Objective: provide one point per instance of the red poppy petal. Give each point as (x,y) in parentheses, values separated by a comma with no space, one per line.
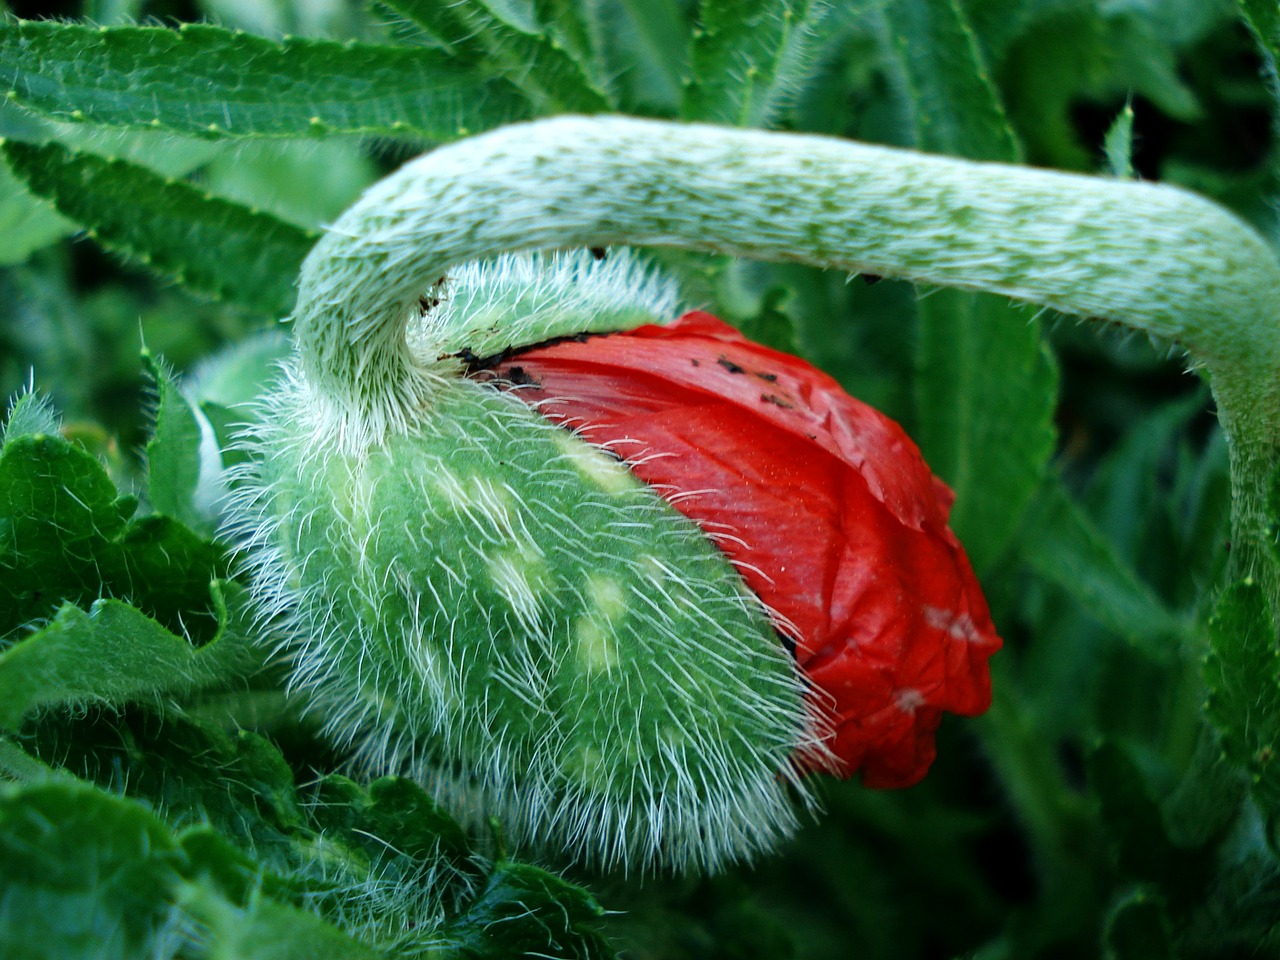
(824,505)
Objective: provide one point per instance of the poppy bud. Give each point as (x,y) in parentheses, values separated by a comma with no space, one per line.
(631,645)
(824,506)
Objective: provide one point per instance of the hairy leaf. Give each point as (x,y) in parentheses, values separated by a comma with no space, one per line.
(208,81)
(266,930)
(533,57)
(1118,144)
(524,911)
(1133,820)
(27,223)
(114,654)
(383,862)
(1138,929)
(1242,674)
(985,395)
(567,25)
(1065,547)
(750,59)
(66,535)
(1263,18)
(953,102)
(29,413)
(82,874)
(986,388)
(87,874)
(645,44)
(173,452)
(171,225)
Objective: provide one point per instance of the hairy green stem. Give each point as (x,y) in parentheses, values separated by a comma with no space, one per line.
(1155,258)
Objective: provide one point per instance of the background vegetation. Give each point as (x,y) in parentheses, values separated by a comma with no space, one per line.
(160,187)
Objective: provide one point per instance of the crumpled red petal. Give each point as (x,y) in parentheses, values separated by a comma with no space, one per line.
(823,504)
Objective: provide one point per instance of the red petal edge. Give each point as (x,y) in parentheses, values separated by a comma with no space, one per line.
(823,504)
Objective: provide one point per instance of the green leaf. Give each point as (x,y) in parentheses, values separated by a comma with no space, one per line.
(60,527)
(566,25)
(986,390)
(1208,796)
(229,780)
(986,387)
(114,654)
(238,375)
(27,223)
(1063,545)
(952,99)
(773,323)
(1263,19)
(226,423)
(266,930)
(490,38)
(307,182)
(1067,54)
(1162,500)
(523,910)
(1242,674)
(1118,144)
(1273,514)
(750,58)
(82,874)
(86,874)
(1133,819)
(30,413)
(645,44)
(171,226)
(17,764)
(173,452)
(1138,929)
(207,81)
(385,861)
(66,535)
(225,386)
(392,812)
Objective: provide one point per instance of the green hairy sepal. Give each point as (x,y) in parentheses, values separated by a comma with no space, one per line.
(494,607)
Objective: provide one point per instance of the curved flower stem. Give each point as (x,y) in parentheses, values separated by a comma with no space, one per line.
(1152,257)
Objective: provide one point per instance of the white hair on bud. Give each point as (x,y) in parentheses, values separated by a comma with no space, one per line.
(523,298)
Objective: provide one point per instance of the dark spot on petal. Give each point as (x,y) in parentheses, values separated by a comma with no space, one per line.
(598,252)
(521,378)
(775,400)
(730,365)
(767,377)
(696,363)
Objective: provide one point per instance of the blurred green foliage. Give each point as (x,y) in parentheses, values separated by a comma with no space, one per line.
(152,196)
